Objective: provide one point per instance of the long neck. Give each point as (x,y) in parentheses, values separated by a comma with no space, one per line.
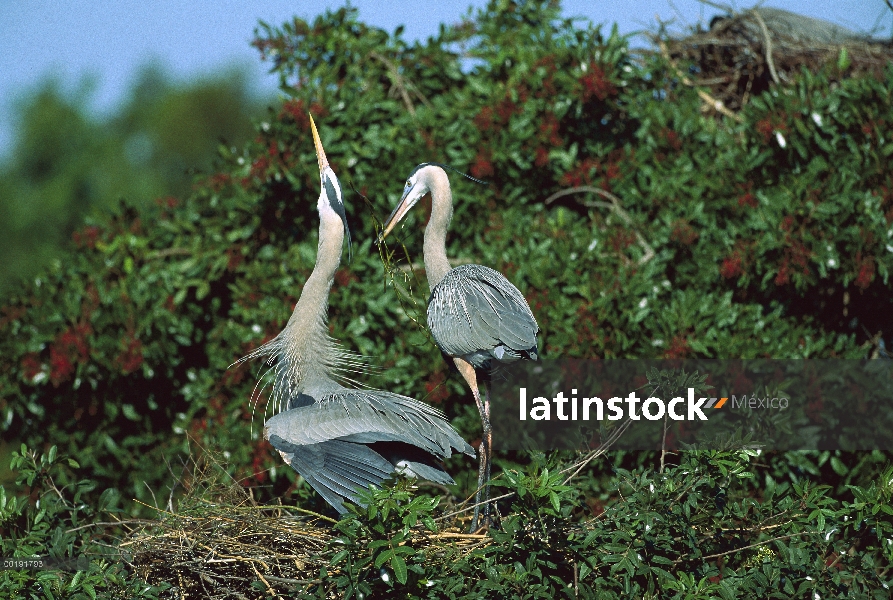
(328,257)
(309,349)
(436,263)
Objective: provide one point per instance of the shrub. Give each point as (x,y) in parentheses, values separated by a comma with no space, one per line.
(54,521)
(679,234)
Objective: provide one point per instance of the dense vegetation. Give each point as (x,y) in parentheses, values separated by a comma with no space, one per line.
(687,234)
(66,163)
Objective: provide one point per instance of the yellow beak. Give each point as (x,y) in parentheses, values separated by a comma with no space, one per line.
(320,153)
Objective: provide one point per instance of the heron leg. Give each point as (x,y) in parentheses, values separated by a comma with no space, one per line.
(488,441)
(467,372)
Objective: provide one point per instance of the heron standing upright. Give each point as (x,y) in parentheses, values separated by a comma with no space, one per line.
(339,439)
(475,314)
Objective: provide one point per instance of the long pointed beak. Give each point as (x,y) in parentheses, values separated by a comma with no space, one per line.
(397,215)
(320,153)
(323,162)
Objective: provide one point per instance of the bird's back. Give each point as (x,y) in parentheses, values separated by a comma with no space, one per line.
(475,313)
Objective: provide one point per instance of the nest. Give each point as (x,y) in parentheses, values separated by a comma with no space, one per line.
(228,552)
(744,54)
(220,544)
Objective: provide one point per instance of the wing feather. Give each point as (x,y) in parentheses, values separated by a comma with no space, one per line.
(476,309)
(332,441)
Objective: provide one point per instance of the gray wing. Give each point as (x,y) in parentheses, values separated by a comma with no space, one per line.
(335,469)
(367,416)
(477,314)
(350,439)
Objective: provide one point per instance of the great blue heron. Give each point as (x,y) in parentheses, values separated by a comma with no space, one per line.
(476,316)
(339,439)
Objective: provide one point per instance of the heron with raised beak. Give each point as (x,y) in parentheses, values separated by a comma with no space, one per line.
(341,439)
(476,316)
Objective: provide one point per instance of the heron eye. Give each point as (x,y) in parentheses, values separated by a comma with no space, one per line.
(408,183)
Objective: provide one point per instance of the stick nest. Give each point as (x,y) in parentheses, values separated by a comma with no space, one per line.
(745,53)
(219,543)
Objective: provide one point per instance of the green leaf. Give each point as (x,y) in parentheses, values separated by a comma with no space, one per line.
(399,566)
(383,557)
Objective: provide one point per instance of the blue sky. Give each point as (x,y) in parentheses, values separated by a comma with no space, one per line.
(109,40)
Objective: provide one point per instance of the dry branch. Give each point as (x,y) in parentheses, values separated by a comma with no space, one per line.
(614,205)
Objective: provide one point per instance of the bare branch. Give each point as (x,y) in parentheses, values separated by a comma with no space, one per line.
(397,80)
(767,39)
(749,546)
(615,205)
(719,6)
(715,103)
(615,435)
(403,86)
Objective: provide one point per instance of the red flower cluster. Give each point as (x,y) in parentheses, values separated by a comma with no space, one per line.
(131,357)
(484,120)
(344,278)
(218,181)
(684,233)
(582,173)
(86,238)
(546,88)
(621,240)
(262,455)
(483,164)
(68,350)
(595,83)
(549,130)
(506,108)
(259,166)
(296,109)
(865,271)
(167,202)
(767,127)
(872,127)
(678,348)
(747,199)
(764,128)
(234,257)
(496,117)
(670,138)
(732,266)
(589,336)
(61,366)
(784,273)
(588,170)
(542,157)
(796,254)
(9,314)
(31,366)
(742,382)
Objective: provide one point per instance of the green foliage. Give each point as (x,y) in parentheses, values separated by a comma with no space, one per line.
(680,234)
(695,530)
(66,165)
(375,551)
(134,331)
(56,522)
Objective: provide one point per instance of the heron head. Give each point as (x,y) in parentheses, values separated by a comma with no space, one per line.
(330,196)
(416,186)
